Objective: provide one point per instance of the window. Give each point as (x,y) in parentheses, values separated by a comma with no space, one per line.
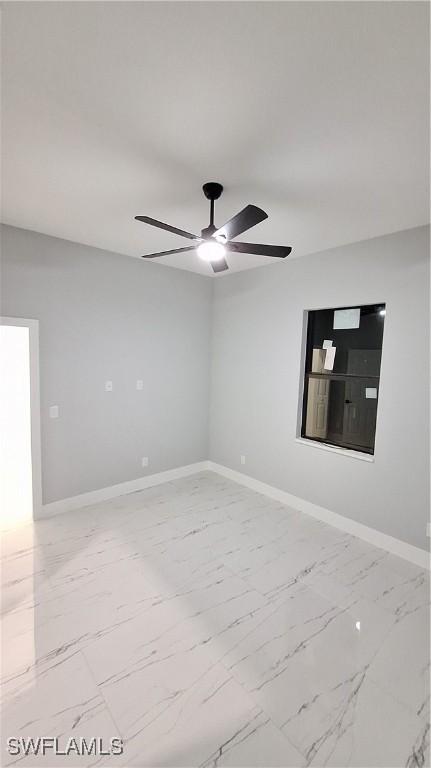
(342,375)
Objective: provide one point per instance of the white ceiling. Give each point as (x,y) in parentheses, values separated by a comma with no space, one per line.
(317,112)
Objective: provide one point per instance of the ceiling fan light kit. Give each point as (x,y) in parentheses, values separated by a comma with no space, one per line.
(211,251)
(214,243)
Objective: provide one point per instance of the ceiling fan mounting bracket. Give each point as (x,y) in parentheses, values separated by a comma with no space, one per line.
(212,190)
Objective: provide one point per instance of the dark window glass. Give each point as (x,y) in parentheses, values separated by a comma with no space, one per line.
(342,375)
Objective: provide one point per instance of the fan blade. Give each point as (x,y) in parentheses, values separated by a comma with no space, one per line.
(245,219)
(166,253)
(220,265)
(279,251)
(161,225)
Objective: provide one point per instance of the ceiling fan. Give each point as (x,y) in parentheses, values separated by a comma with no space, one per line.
(214,242)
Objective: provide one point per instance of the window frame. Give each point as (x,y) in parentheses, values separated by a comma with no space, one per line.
(349,449)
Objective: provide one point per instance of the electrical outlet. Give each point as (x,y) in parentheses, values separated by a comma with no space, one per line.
(145,461)
(139,384)
(53,412)
(242,459)
(108,386)
(428,529)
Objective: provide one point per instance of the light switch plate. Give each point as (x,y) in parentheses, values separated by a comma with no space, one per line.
(145,461)
(53,411)
(242,459)
(139,384)
(108,386)
(428,529)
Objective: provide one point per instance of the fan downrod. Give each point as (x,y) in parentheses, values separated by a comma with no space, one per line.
(212,190)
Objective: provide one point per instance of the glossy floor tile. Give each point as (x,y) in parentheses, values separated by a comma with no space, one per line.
(206,625)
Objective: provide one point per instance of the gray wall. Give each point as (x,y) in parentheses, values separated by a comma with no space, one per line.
(256,374)
(105,316)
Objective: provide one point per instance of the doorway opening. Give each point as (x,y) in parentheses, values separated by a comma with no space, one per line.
(19,423)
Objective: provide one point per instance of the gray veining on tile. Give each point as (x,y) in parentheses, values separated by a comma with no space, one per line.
(209,626)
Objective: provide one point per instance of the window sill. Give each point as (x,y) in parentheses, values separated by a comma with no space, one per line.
(333,449)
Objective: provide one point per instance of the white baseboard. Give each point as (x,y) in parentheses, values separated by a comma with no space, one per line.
(104,494)
(397,547)
(371,535)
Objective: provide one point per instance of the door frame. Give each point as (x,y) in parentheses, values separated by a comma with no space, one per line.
(36,454)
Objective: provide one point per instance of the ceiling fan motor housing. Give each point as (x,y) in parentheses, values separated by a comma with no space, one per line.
(208,231)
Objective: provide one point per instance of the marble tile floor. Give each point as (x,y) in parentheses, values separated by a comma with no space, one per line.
(206,625)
